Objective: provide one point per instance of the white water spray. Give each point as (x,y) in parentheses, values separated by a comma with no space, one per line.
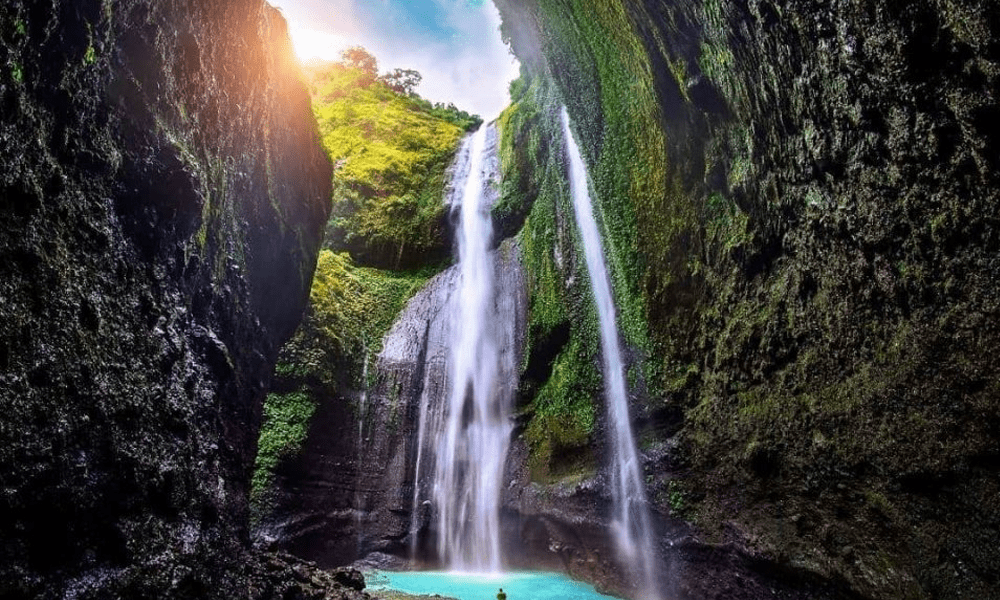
(631,523)
(471,425)
(472,451)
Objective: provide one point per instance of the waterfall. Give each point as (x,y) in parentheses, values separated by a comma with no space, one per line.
(359,499)
(631,521)
(473,447)
(429,407)
(464,430)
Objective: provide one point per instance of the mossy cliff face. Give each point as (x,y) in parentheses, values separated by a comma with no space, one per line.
(164,194)
(799,208)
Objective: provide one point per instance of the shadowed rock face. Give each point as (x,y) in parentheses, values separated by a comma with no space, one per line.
(163,196)
(349,491)
(815,232)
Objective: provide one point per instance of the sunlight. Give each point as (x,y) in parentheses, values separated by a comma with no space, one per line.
(312,43)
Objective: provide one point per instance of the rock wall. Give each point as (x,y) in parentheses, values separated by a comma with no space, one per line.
(349,490)
(164,194)
(799,208)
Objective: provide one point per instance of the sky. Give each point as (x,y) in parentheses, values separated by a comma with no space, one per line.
(455,44)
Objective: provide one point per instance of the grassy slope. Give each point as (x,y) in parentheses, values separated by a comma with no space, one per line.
(390,153)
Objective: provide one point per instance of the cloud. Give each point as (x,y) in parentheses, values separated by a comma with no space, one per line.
(457,47)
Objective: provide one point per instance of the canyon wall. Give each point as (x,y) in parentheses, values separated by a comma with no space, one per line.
(799,203)
(163,200)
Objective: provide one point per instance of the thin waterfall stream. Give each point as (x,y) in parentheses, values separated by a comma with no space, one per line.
(631,523)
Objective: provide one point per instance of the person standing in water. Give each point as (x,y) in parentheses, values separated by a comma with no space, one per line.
(501,595)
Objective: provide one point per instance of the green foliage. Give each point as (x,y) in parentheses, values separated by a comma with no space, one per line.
(390,150)
(534,192)
(563,412)
(89,56)
(350,310)
(359,59)
(602,72)
(524,147)
(620,139)
(678,499)
(402,81)
(286,420)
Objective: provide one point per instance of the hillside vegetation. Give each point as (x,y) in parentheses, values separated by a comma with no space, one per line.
(391,149)
(386,237)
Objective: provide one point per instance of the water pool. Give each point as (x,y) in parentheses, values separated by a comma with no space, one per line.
(477,586)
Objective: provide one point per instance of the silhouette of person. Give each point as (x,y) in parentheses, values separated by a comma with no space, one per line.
(501,595)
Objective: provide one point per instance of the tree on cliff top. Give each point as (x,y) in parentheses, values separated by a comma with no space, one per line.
(358,58)
(402,81)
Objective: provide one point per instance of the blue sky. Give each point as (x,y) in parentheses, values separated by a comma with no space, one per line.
(455,44)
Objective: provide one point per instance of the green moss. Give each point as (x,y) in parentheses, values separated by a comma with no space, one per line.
(678,68)
(564,411)
(602,70)
(350,310)
(678,499)
(564,406)
(286,420)
(524,149)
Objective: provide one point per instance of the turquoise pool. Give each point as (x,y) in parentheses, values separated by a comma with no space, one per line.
(477,586)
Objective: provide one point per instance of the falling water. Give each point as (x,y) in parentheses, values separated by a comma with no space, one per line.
(631,520)
(362,417)
(472,450)
(466,427)
(429,419)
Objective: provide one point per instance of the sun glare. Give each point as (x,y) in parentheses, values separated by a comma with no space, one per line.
(312,43)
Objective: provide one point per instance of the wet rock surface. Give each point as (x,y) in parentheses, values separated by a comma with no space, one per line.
(281,576)
(163,197)
(817,269)
(349,491)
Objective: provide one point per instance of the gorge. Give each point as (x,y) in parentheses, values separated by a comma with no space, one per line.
(758,365)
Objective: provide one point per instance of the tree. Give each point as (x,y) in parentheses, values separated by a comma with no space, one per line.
(357,57)
(402,81)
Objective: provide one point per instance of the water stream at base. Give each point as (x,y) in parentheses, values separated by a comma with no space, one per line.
(631,521)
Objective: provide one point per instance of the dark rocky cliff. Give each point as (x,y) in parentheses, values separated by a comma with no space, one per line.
(799,202)
(163,198)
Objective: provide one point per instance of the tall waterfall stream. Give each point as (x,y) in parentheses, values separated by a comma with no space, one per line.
(470,430)
(465,424)
(632,524)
